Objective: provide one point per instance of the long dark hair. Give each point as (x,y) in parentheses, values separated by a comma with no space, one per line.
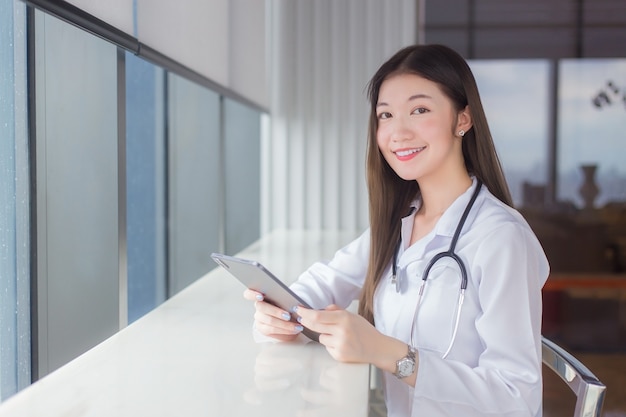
(389,195)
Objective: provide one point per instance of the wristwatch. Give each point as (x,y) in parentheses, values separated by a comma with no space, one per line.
(406,365)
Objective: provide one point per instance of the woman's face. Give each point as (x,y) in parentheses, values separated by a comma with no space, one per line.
(416,131)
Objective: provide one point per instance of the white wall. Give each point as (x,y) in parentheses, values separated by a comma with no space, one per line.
(118,13)
(309,63)
(321,55)
(223,40)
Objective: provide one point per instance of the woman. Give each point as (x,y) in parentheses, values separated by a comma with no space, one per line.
(431,162)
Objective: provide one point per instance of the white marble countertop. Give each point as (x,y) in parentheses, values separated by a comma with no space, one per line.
(195,356)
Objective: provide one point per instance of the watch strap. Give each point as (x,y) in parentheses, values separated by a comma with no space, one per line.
(401,363)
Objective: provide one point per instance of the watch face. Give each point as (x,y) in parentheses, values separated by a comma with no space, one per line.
(405,367)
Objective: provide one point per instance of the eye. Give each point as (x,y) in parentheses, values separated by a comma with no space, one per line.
(420,110)
(384,115)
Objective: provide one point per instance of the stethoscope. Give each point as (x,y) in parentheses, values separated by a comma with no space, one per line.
(446,254)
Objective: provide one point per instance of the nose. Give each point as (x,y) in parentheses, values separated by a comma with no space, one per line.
(400,130)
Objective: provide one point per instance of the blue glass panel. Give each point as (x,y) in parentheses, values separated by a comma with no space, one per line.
(14,204)
(144,185)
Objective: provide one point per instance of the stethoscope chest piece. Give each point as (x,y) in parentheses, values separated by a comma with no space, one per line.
(446,254)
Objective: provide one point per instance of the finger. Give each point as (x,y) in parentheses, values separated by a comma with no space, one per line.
(268,323)
(313,320)
(279,334)
(318,327)
(272,310)
(273,328)
(308,314)
(252,295)
(330,317)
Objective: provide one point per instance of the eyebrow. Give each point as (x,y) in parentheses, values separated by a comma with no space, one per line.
(413,97)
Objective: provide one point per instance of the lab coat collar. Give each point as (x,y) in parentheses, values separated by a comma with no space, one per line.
(447,224)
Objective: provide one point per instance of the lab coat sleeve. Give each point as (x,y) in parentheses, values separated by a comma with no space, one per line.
(338,281)
(506,380)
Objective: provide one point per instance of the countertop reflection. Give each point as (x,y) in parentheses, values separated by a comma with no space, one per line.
(303,380)
(195,355)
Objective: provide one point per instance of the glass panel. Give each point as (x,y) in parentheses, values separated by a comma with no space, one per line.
(194,180)
(14,204)
(145,186)
(518,117)
(77,191)
(242,164)
(592,127)
(584,300)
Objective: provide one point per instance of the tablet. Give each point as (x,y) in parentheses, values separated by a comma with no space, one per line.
(256,277)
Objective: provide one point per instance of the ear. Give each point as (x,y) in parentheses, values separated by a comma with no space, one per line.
(464,120)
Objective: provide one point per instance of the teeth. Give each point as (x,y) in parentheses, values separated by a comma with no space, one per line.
(408,152)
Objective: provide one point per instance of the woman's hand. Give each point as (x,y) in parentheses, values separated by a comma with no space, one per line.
(347,336)
(270,320)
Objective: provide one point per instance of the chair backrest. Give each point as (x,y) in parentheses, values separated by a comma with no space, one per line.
(588,389)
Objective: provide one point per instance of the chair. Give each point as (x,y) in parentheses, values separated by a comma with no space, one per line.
(588,389)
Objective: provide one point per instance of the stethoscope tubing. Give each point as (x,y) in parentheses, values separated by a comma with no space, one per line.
(450,254)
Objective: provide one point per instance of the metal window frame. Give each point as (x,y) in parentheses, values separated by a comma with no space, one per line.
(78,17)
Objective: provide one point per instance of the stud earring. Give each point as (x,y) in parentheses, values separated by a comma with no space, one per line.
(461,133)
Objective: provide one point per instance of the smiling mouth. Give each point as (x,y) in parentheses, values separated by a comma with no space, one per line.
(407,152)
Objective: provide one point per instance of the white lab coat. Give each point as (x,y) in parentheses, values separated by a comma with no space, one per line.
(494,367)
